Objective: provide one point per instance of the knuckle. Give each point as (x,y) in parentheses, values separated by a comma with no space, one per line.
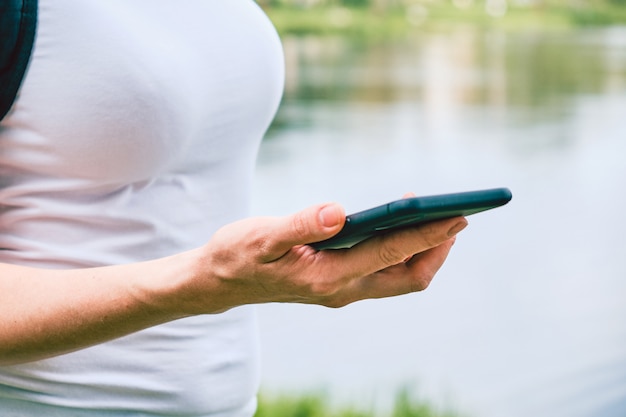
(390,252)
(431,235)
(300,226)
(421,282)
(336,303)
(259,242)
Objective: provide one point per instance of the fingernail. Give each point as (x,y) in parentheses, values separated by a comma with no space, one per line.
(330,216)
(457,228)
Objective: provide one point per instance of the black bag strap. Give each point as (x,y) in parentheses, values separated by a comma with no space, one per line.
(18,21)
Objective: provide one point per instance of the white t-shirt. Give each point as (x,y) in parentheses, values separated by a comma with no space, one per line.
(134,137)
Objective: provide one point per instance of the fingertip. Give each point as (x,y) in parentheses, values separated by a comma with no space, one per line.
(331,216)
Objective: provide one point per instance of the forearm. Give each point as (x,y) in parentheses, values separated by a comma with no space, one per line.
(45,313)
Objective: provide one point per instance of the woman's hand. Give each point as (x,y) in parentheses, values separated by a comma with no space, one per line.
(260,260)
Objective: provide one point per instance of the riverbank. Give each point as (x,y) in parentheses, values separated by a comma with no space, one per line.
(318,405)
(436,15)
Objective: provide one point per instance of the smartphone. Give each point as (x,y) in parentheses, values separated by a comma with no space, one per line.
(412,211)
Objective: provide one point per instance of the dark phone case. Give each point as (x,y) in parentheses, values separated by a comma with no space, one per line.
(413,211)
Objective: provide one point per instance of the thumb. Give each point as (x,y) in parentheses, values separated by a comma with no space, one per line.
(307,226)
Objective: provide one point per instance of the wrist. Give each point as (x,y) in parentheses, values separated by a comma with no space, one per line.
(185,285)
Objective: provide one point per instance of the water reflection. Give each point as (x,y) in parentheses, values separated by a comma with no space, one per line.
(494,68)
(528,317)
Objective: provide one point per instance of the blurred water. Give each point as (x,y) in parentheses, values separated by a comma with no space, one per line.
(528,316)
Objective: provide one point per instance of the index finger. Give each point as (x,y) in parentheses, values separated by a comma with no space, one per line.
(383,251)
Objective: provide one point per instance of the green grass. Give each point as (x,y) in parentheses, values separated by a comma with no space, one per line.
(442,14)
(318,405)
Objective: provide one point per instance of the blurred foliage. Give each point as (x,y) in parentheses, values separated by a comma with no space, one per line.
(318,405)
(396,17)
